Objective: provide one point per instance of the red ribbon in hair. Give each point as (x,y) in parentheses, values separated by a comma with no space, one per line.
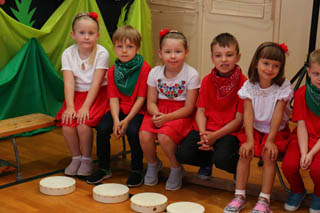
(284,47)
(163,32)
(94,15)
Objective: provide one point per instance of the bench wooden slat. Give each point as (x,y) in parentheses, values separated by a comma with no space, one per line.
(25,123)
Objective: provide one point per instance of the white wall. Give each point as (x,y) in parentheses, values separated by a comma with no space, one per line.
(250,21)
(251,24)
(181,17)
(295,24)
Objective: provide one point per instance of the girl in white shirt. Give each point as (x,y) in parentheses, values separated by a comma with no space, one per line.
(266,114)
(172,93)
(83,65)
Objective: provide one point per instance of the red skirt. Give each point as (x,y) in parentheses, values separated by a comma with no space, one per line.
(176,129)
(99,107)
(281,140)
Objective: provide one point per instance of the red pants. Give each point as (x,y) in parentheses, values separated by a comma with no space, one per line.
(291,166)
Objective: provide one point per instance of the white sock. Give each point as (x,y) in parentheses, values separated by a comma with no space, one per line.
(153,164)
(266,196)
(86,158)
(176,169)
(76,157)
(240,192)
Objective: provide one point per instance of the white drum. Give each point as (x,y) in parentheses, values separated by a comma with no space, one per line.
(57,185)
(110,193)
(183,207)
(148,202)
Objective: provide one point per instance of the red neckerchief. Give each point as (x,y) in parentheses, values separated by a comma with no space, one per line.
(226,85)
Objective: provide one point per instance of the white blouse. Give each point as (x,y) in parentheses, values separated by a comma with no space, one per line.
(264,102)
(71,60)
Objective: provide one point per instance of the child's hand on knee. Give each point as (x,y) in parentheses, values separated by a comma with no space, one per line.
(82,115)
(271,149)
(303,162)
(246,150)
(306,161)
(68,115)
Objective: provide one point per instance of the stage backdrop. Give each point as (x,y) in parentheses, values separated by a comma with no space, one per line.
(54,35)
(30,84)
(30,76)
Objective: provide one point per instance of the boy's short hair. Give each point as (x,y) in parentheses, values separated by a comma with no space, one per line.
(314,57)
(225,40)
(127,32)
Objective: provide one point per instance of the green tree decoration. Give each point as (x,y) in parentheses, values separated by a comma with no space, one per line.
(22,14)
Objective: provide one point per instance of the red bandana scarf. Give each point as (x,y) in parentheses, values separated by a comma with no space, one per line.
(226,86)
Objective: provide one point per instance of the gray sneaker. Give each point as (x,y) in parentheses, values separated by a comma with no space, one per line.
(73,167)
(174,181)
(85,168)
(151,176)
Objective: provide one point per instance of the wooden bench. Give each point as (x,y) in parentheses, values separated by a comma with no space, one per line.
(13,126)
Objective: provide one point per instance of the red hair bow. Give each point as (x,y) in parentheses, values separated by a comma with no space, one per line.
(163,32)
(94,15)
(284,47)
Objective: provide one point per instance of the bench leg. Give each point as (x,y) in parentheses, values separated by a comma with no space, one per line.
(285,188)
(19,174)
(124,153)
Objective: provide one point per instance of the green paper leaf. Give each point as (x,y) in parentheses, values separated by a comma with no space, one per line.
(22,14)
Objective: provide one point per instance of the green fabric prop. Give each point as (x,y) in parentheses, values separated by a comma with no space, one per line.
(127,74)
(139,17)
(54,36)
(312,97)
(30,84)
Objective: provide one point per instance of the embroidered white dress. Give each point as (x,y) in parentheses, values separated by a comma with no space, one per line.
(172,93)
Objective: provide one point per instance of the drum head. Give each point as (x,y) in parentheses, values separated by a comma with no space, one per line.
(57,185)
(149,202)
(111,193)
(182,207)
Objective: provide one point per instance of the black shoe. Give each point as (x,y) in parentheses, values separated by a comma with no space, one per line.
(205,172)
(135,178)
(99,176)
